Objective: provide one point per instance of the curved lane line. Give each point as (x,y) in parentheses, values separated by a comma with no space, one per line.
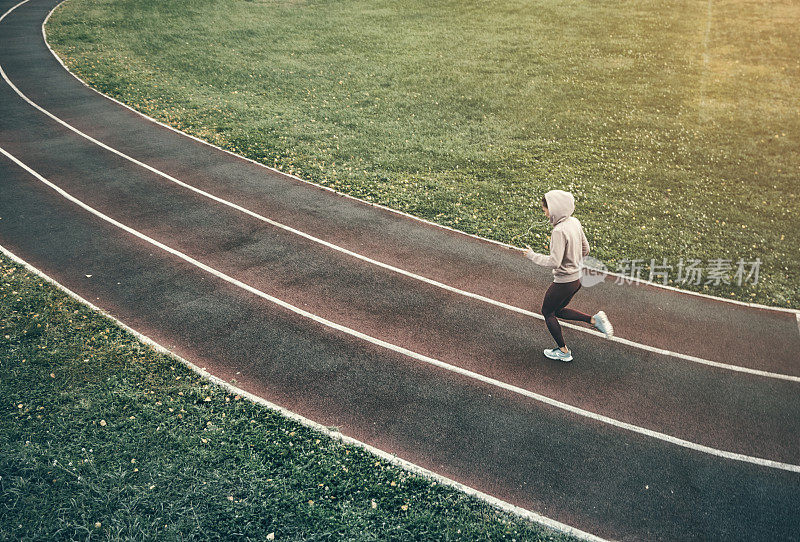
(686,357)
(391,458)
(411,354)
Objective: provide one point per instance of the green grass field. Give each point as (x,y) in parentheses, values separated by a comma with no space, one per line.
(678,133)
(105,439)
(674,123)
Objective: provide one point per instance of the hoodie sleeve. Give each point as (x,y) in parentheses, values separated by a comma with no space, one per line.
(585,243)
(557,246)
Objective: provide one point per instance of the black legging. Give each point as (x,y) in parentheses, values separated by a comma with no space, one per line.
(557,297)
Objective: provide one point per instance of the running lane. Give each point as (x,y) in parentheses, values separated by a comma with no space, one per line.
(577,470)
(715,407)
(705,328)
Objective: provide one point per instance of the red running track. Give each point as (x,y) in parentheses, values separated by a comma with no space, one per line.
(649,445)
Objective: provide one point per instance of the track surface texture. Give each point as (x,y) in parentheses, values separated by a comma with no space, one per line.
(567,464)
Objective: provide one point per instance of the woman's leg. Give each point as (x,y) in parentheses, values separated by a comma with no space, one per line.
(555,299)
(571,314)
(554,306)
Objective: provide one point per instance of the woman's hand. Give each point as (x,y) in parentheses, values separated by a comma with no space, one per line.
(529,252)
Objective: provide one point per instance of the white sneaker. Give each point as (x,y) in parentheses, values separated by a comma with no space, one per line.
(603,325)
(557,354)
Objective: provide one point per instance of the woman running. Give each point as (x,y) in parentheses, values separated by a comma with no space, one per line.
(568,248)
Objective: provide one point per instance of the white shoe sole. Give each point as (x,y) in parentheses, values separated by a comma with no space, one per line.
(556,356)
(609,332)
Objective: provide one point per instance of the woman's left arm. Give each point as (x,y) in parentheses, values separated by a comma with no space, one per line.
(585,244)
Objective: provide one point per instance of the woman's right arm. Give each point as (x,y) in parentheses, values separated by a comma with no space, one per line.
(557,246)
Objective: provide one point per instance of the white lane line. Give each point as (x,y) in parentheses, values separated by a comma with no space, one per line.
(409,353)
(389,209)
(798,322)
(386,456)
(620,340)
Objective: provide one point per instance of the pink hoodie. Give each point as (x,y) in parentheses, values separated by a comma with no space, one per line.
(568,244)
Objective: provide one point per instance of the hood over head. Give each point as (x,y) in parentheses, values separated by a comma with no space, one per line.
(561,205)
